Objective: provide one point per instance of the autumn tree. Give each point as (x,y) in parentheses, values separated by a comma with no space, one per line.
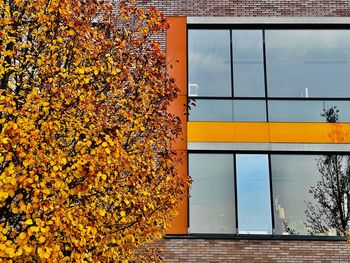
(87,170)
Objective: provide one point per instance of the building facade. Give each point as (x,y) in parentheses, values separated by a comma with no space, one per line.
(266,134)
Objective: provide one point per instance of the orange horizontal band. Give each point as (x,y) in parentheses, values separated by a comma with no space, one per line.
(268,132)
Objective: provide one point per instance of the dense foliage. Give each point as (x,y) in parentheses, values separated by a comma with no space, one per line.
(87,172)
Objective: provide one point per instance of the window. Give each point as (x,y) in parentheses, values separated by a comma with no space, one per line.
(209,66)
(254,204)
(228,110)
(248,63)
(212,203)
(269,193)
(308,63)
(268,74)
(292,177)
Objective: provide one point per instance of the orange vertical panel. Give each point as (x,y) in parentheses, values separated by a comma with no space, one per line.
(176,55)
(176,52)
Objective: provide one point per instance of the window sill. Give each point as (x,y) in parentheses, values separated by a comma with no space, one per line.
(258,237)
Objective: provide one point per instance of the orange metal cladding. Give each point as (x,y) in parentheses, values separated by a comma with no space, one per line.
(268,132)
(176,57)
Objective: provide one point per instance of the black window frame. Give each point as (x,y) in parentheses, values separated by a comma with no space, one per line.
(272,236)
(262,27)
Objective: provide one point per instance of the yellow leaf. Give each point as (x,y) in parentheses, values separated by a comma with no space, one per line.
(71,32)
(5,140)
(34,229)
(22,206)
(122,213)
(63,161)
(15,210)
(41,239)
(29,222)
(108,151)
(11,170)
(22,235)
(41,252)
(4,230)
(27,249)
(19,252)
(4,194)
(102,212)
(10,252)
(104,144)
(58,184)
(115,71)
(47,254)
(13,181)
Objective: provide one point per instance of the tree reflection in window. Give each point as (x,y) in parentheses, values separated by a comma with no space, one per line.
(331,213)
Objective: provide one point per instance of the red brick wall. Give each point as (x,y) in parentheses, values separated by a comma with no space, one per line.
(251,7)
(201,250)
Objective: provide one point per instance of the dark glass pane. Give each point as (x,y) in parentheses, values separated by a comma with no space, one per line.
(253,194)
(308,63)
(249,110)
(293,177)
(248,66)
(212,201)
(211,110)
(209,66)
(295,111)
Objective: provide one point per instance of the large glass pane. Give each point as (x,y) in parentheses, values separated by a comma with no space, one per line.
(253,194)
(212,202)
(211,110)
(306,110)
(295,111)
(209,66)
(249,110)
(308,63)
(248,66)
(343,107)
(228,110)
(303,186)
